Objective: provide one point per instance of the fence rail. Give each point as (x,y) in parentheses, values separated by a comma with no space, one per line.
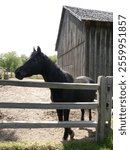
(47,105)
(103,106)
(55,85)
(47,124)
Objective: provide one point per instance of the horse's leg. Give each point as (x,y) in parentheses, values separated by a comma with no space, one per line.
(67,131)
(90,115)
(82,114)
(60,114)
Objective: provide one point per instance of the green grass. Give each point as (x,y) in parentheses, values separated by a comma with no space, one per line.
(106,144)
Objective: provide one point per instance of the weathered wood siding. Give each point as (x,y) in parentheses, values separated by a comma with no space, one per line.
(85,47)
(71,46)
(99,49)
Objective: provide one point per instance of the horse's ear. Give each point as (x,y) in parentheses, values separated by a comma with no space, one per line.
(38,49)
(34,49)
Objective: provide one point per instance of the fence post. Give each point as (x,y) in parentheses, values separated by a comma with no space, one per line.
(109,81)
(101,96)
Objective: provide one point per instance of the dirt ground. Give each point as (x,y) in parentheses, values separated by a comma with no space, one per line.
(25,94)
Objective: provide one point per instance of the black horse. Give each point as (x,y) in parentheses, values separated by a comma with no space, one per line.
(39,63)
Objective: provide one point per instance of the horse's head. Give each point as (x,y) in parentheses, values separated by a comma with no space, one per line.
(32,67)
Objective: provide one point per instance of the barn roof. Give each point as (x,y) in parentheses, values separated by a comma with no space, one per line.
(90,15)
(85,15)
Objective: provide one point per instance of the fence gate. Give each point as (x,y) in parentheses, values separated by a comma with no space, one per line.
(102,105)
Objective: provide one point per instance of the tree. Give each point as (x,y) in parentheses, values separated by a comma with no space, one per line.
(10,61)
(23,58)
(2,61)
(53,58)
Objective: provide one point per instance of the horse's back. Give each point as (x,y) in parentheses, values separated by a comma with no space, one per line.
(84,95)
(69,95)
(83,79)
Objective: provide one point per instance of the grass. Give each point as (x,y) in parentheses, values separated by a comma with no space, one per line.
(106,144)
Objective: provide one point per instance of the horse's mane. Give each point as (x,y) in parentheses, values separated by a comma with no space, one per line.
(53,69)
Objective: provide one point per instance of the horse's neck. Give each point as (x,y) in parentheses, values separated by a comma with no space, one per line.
(53,73)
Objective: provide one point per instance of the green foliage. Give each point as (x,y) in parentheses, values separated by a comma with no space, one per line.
(23,58)
(10,61)
(53,58)
(108,142)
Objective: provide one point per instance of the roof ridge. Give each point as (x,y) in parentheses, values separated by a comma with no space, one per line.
(89,14)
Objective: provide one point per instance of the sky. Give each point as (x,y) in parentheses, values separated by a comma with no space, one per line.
(25,24)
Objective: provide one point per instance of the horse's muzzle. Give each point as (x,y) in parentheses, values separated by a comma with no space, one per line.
(19,74)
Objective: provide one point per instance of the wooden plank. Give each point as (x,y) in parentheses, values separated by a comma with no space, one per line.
(101,97)
(92,50)
(111,54)
(50,85)
(87,48)
(109,80)
(47,105)
(47,124)
(97,54)
(105,52)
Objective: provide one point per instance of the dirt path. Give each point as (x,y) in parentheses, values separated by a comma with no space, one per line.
(25,94)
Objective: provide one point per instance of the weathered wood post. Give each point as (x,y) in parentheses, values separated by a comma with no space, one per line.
(104,98)
(101,96)
(109,82)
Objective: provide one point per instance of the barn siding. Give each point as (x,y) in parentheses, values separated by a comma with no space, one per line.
(99,51)
(71,46)
(74,60)
(85,47)
(71,34)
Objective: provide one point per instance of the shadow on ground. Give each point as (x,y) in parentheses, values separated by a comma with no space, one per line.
(7,135)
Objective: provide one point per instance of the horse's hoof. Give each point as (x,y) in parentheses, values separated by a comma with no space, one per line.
(64,139)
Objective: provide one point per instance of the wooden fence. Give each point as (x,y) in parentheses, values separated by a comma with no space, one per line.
(102,105)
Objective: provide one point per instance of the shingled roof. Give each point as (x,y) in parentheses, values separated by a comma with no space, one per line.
(85,15)
(90,15)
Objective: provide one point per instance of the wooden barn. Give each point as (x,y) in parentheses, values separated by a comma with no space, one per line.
(85,42)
